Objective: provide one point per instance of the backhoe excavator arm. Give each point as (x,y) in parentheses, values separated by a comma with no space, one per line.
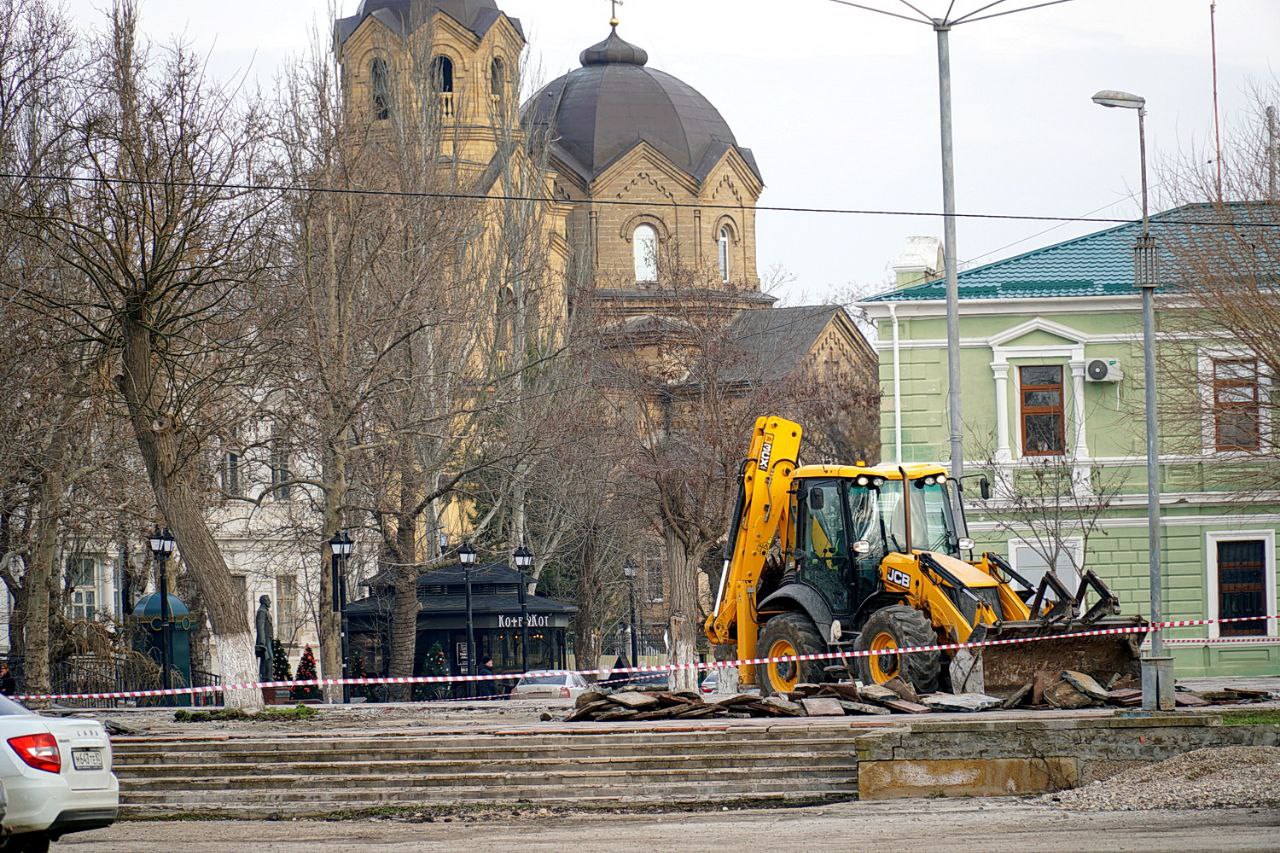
(762,508)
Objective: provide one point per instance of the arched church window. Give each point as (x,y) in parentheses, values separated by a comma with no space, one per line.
(442,74)
(723,245)
(497,78)
(380,76)
(645,244)
(442,82)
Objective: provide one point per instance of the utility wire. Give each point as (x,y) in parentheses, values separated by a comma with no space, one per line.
(617,202)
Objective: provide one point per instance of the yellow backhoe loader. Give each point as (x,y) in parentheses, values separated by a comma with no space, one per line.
(825,558)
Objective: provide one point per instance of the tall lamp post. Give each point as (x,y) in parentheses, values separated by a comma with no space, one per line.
(467,556)
(162,544)
(341,548)
(1157,668)
(629,571)
(524,561)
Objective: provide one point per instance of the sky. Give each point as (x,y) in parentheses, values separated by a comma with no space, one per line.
(840,105)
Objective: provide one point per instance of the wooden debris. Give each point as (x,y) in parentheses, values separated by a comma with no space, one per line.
(739,699)
(588,711)
(589,696)
(822,707)
(635,701)
(785,705)
(1086,685)
(852,692)
(877,693)
(1127,697)
(1019,696)
(905,707)
(1039,682)
(804,691)
(962,702)
(1064,695)
(904,690)
(1189,700)
(864,708)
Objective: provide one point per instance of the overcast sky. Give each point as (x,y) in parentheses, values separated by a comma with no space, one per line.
(841,107)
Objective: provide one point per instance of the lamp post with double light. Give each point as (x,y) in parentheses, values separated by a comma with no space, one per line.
(341,548)
(1157,668)
(162,545)
(467,556)
(523,558)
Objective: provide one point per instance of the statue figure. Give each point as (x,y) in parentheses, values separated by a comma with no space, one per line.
(265,640)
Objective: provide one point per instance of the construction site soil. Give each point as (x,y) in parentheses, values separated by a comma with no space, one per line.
(945,826)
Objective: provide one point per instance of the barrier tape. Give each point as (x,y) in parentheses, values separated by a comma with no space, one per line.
(660,669)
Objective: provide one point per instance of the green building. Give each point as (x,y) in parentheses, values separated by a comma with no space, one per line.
(1052,398)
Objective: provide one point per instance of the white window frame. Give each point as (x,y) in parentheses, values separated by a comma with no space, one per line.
(76,604)
(1211,540)
(646,265)
(724,244)
(1074,543)
(1209,427)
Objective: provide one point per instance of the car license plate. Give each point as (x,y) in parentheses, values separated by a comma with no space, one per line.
(87,759)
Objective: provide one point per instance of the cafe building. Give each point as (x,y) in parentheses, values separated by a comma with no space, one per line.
(497,613)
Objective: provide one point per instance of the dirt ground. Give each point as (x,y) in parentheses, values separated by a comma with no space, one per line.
(989,826)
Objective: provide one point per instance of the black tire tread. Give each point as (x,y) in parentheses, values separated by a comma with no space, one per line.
(804,635)
(911,628)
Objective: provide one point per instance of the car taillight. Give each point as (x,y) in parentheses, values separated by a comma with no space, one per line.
(38,751)
(564,693)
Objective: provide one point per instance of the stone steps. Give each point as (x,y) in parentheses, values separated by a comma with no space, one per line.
(616,763)
(325,773)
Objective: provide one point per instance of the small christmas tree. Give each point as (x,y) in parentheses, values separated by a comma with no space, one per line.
(437,665)
(355,669)
(280,669)
(306,672)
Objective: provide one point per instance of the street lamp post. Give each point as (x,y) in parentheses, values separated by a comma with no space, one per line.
(524,561)
(341,548)
(162,544)
(467,556)
(1157,668)
(630,571)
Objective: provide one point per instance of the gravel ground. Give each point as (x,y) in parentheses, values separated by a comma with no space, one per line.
(920,826)
(1230,777)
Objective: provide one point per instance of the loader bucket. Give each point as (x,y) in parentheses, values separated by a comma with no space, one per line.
(1112,660)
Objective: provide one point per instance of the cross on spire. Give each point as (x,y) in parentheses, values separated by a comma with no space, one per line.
(614,22)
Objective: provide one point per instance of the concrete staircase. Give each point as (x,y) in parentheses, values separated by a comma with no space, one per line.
(327,773)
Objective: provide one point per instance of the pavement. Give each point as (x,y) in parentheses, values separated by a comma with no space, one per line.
(945,826)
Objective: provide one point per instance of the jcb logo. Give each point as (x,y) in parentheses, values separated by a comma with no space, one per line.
(897,577)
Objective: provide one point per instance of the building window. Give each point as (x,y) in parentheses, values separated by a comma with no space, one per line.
(1029,560)
(82,578)
(381,79)
(723,244)
(1236,404)
(442,83)
(652,578)
(281,472)
(240,585)
(287,608)
(1043,421)
(1242,587)
(230,474)
(497,78)
(645,245)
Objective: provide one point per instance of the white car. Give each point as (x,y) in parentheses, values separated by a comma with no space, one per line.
(57,777)
(549,685)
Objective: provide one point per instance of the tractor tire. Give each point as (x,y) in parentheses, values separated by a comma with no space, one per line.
(899,627)
(783,636)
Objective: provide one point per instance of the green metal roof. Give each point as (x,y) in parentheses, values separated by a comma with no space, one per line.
(1098,264)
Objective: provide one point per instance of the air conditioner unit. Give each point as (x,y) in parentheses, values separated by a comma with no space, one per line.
(1104,370)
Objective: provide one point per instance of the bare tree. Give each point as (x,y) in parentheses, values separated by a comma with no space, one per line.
(172,260)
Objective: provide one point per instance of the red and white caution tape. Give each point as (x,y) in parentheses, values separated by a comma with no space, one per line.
(646,670)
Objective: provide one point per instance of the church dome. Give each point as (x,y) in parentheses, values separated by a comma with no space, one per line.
(615,101)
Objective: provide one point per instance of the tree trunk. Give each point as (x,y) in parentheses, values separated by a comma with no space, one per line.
(586,622)
(404,614)
(183,512)
(41,575)
(682,568)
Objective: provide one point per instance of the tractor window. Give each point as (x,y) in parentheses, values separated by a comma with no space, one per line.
(826,545)
(864,517)
(932,526)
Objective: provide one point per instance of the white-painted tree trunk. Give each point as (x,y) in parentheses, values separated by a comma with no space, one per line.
(239,666)
(684,650)
(728,683)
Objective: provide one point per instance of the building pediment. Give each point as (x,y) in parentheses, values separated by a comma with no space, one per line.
(644,165)
(1039,332)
